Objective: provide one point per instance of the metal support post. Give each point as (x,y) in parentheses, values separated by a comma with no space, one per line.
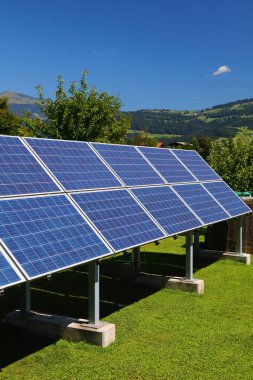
(189,256)
(136,261)
(94,292)
(239,221)
(196,241)
(25,297)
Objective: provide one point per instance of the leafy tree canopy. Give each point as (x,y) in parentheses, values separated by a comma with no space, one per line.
(142,139)
(232,159)
(80,114)
(201,144)
(9,123)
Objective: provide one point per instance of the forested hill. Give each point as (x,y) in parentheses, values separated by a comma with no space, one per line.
(218,121)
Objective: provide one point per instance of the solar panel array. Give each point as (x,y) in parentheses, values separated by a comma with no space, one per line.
(196,165)
(227,198)
(129,165)
(64,203)
(165,206)
(74,164)
(202,203)
(45,234)
(168,165)
(20,172)
(120,219)
(8,275)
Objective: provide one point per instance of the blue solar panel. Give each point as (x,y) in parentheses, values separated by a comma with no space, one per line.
(119,218)
(20,173)
(227,198)
(201,203)
(128,163)
(46,234)
(8,275)
(196,164)
(74,164)
(165,206)
(167,164)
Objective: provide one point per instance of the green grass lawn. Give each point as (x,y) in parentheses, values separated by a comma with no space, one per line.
(159,334)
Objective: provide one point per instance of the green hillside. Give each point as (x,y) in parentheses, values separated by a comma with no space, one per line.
(218,121)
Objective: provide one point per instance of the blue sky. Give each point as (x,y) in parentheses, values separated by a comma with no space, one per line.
(152,53)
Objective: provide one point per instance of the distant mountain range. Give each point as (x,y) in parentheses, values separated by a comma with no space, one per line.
(20,103)
(219,121)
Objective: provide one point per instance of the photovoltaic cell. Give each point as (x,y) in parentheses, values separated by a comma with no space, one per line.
(165,206)
(119,218)
(8,275)
(46,234)
(196,164)
(129,165)
(227,198)
(167,164)
(20,173)
(201,203)
(74,164)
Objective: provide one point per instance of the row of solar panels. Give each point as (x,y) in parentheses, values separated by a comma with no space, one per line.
(43,234)
(83,166)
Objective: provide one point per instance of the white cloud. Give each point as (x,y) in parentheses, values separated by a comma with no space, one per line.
(222,70)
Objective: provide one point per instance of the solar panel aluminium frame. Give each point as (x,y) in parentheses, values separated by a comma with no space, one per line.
(202,159)
(170,150)
(106,164)
(149,213)
(13,266)
(60,191)
(200,183)
(4,247)
(231,216)
(152,166)
(46,168)
(138,202)
(116,175)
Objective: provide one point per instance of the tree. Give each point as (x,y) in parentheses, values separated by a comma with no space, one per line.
(9,123)
(232,159)
(202,145)
(142,139)
(82,114)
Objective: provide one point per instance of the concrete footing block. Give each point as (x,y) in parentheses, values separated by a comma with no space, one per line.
(180,283)
(61,327)
(241,257)
(213,254)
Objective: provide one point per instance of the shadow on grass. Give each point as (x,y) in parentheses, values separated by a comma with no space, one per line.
(15,345)
(171,264)
(67,294)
